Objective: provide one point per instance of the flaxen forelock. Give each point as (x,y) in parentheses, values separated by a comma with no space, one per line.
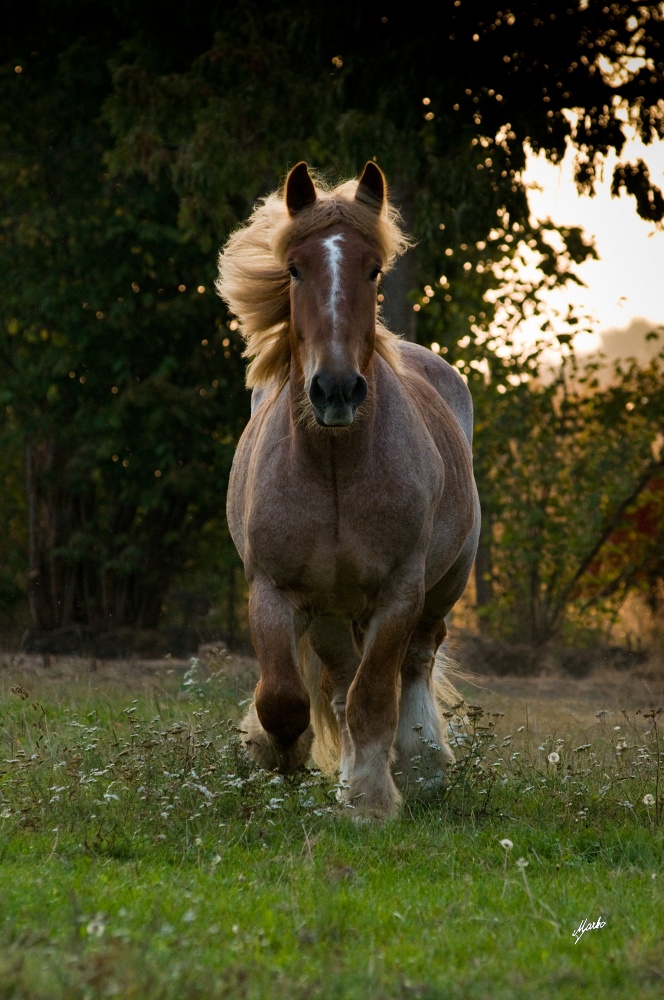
(255,283)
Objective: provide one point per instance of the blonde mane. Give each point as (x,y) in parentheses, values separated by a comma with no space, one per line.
(255,282)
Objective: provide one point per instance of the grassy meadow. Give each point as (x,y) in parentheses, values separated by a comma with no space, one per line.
(141,855)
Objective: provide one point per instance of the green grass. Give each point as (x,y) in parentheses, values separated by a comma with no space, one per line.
(142,856)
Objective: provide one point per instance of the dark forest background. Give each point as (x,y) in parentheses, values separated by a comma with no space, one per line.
(131,146)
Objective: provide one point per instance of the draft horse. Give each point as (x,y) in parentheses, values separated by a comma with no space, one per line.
(351,500)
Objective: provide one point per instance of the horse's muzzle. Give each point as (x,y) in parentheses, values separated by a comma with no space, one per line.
(335,399)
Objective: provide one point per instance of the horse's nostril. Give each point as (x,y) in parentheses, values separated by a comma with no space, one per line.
(359,392)
(317,393)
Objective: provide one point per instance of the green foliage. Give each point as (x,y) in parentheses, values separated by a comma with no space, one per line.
(118,375)
(561,463)
(276,84)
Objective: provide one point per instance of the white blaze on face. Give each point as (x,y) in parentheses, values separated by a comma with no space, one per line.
(334,256)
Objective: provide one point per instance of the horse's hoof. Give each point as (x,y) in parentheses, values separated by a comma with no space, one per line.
(375,805)
(376,812)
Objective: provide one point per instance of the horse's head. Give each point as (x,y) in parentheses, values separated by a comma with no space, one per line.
(334,275)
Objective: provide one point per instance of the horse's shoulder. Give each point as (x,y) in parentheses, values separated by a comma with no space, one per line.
(444,378)
(269,417)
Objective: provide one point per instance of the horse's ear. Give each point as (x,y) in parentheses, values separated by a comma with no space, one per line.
(372,187)
(300,190)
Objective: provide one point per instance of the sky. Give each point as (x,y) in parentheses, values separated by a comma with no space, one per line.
(625,287)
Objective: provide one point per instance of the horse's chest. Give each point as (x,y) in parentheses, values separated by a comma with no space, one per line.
(336,538)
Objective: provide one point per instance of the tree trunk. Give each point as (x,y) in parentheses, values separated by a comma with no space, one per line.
(51,581)
(76,575)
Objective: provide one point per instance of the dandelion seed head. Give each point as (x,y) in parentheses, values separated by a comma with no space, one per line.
(649,800)
(553,758)
(507,844)
(96,926)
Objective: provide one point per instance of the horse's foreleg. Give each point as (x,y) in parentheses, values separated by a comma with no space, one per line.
(372,708)
(277,733)
(421,751)
(332,641)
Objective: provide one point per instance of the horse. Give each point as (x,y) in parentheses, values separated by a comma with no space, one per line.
(351,497)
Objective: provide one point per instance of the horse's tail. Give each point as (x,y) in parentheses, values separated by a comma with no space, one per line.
(446,667)
(326,750)
(451,704)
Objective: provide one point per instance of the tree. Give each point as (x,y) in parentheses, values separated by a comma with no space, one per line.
(448,114)
(566,484)
(116,370)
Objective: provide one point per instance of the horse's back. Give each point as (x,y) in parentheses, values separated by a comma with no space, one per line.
(445,379)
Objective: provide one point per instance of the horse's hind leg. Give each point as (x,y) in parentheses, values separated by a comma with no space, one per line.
(277,733)
(421,751)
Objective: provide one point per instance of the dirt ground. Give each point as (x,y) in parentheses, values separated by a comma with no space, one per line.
(556,703)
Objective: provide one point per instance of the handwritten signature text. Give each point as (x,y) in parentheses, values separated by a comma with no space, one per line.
(585,926)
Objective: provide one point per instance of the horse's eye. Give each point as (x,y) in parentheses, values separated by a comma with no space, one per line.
(374,274)
(293,270)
